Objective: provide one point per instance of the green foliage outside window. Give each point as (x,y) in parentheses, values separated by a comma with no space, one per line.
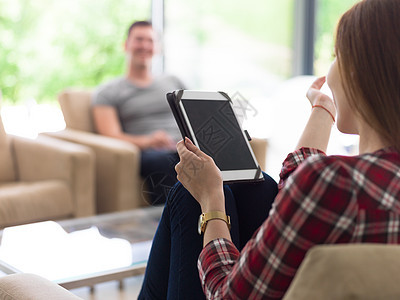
(48,45)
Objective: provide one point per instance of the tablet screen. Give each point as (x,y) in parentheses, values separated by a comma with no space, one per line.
(218,133)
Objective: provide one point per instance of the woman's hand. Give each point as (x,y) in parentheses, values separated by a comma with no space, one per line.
(318,128)
(316,97)
(200,176)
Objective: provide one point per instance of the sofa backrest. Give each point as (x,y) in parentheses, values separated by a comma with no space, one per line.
(7,169)
(77,110)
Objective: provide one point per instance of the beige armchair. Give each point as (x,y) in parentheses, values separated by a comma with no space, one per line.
(119,186)
(348,271)
(44,179)
(33,287)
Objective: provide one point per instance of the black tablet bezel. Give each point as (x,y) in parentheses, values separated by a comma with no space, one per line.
(252,174)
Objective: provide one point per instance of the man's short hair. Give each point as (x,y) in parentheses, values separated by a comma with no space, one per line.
(139,24)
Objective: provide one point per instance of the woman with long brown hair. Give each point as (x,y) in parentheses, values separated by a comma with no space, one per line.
(322,199)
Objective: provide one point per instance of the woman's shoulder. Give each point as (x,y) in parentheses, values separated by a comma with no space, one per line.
(384,163)
(387,157)
(326,179)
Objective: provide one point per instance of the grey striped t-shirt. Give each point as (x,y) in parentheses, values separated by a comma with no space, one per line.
(141,110)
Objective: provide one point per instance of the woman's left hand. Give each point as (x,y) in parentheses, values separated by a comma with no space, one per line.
(318,128)
(316,97)
(200,176)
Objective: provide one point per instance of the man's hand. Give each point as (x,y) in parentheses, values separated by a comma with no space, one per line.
(107,123)
(160,140)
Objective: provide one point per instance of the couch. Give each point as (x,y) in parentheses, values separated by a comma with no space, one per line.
(44,179)
(118,182)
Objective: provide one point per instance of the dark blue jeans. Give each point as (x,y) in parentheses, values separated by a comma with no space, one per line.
(171,271)
(157,168)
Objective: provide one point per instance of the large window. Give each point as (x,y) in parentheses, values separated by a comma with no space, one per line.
(245,48)
(48,45)
(328,14)
(229,45)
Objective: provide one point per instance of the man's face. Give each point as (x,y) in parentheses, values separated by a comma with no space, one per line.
(140,45)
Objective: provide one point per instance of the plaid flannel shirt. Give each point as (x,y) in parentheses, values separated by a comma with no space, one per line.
(322,200)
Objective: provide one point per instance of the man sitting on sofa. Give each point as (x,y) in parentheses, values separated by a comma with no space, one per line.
(134,108)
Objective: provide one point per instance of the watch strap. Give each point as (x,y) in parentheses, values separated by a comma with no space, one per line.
(214,215)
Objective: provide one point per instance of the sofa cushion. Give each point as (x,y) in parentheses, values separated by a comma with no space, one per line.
(7,170)
(24,202)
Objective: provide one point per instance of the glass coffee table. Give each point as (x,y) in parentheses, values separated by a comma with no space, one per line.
(82,251)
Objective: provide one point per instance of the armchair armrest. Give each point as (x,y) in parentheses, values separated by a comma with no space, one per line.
(117,169)
(348,271)
(23,286)
(260,147)
(46,158)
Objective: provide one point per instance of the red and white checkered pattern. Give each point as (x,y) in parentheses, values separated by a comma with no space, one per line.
(322,200)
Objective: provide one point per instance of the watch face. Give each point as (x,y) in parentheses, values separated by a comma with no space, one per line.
(199,224)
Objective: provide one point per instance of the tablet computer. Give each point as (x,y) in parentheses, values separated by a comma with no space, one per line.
(208,119)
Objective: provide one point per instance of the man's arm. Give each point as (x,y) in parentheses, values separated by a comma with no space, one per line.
(107,123)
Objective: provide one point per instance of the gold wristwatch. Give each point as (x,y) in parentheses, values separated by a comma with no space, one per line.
(205,217)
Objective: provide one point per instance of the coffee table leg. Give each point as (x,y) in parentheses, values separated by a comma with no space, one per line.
(121,285)
(92,289)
